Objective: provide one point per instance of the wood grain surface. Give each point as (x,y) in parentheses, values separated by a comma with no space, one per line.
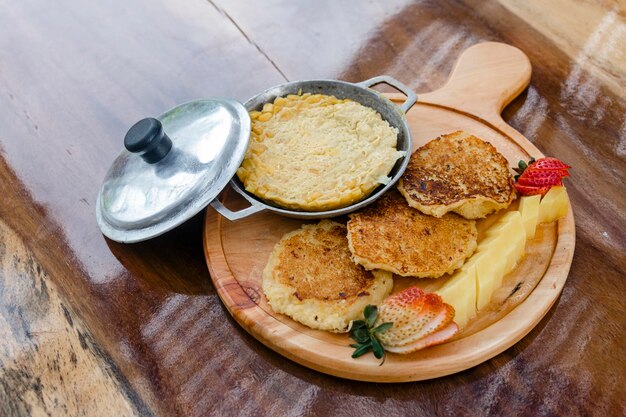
(485,77)
(49,363)
(75,75)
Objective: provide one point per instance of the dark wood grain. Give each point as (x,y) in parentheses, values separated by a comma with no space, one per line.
(75,75)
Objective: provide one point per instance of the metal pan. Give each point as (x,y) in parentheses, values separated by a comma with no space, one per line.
(359,92)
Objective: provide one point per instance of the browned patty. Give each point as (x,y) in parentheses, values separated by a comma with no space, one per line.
(318,264)
(458,172)
(311,278)
(392,236)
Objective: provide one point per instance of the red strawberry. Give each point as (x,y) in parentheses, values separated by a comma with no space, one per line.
(538,178)
(430,340)
(550,164)
(420,319)
(530,190)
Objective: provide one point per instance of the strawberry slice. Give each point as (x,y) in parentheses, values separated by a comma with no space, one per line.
(432,339)
(550,164)
(419,320)
(562,172)
(530,190)
(538,178)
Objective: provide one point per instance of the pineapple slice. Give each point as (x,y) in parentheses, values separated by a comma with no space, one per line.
(500,233)
(502,249)
(498,239)
(514,253)
(510,222)
(460,292)
(529,208)
(490,270)
(472,260)
(554,205)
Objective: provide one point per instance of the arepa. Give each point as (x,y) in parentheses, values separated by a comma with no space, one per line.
(311,278)
(457,172)
(392,236)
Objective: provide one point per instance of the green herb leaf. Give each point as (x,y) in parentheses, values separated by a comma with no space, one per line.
(358,324)
(521,167)
(363,349)
(379,352)
(370,314)
(364,333)
(382,328)
(361,335)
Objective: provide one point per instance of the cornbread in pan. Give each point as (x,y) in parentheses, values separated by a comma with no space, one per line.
(392,236)
(311,278)
(458,172)
(316,152)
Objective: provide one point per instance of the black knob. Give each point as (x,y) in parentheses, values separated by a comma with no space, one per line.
(148,139)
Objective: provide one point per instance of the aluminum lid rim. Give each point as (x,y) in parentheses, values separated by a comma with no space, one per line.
(139,234)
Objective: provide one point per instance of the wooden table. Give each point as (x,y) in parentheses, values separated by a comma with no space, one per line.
(92,327)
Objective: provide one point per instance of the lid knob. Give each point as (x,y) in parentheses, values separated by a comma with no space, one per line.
(148,139)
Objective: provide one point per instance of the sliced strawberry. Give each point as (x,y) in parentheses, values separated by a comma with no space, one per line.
(562,172)
(543,164)
(535,178)
(416,315)
(539,176)
(550,164)
(432,339)
(530,190)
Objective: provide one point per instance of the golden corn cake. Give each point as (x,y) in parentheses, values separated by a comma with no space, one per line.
(459,173)
(316,152)
(311,278)
(392,236)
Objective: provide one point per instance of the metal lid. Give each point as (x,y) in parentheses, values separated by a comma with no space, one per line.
(172,168)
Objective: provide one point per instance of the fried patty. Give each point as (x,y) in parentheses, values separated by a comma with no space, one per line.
(311,277)
(392,236)
(459,173)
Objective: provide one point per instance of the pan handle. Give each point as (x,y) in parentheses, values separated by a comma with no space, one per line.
(411,97)
(235,215)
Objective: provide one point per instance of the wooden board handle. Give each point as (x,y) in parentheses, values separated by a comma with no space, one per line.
(485,78)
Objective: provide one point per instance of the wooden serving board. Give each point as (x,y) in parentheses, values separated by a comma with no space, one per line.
(484,80)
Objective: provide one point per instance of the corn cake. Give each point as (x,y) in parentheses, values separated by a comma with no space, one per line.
(316,152)
(459,173)
(392,236)
(311,278)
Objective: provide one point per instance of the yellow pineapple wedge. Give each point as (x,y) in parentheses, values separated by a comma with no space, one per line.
(554,205)
(490,270)
(529,208)
(503,248)
(510,222)
(460,292)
